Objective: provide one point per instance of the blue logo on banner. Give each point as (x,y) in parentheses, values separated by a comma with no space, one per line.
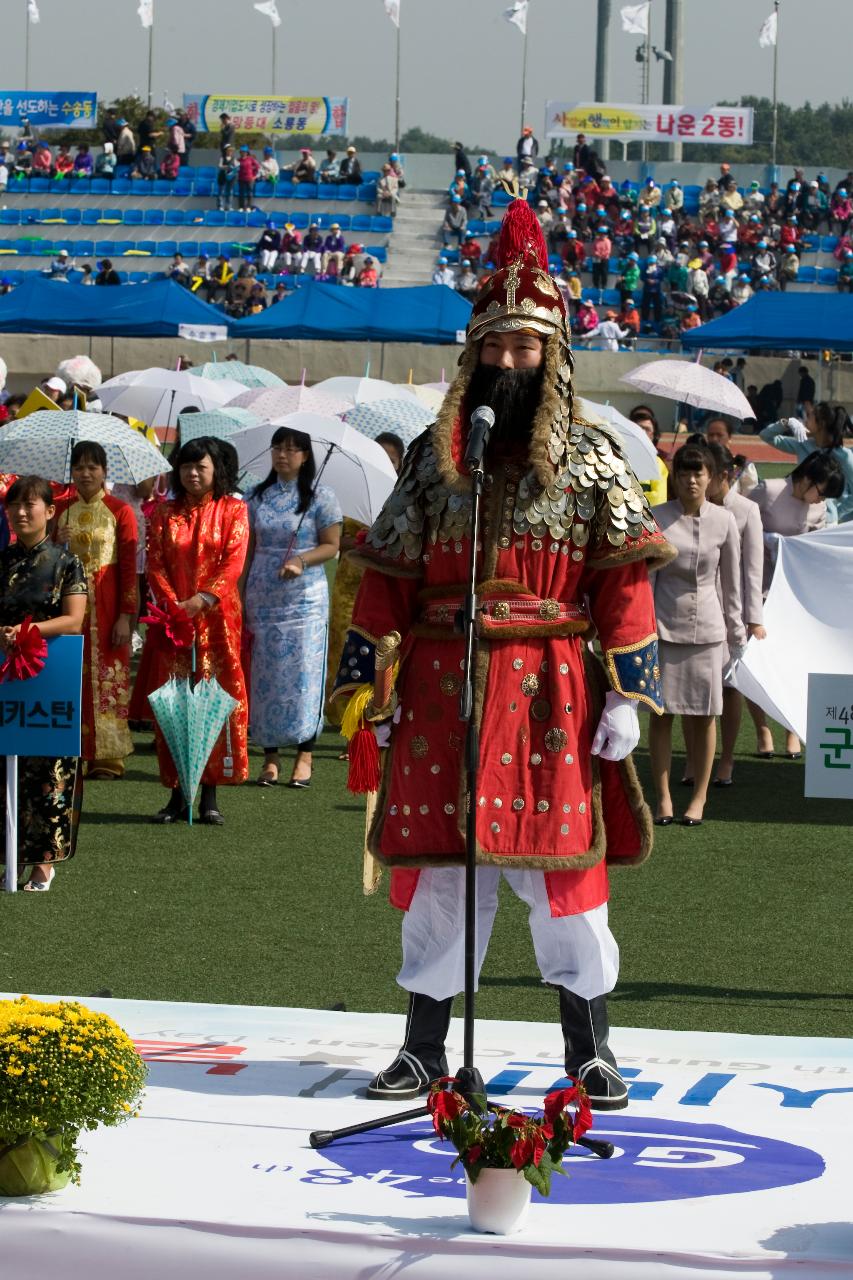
(655,1160)
(41,716)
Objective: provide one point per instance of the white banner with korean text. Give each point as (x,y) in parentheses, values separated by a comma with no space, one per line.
(650,123)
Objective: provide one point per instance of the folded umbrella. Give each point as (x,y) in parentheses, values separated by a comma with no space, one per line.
(191,718)
(42,444)
(690,383)
(357,469)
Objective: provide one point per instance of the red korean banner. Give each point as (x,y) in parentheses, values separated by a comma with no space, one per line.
(649,123)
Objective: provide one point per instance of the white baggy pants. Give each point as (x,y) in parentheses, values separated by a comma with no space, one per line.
(578,952)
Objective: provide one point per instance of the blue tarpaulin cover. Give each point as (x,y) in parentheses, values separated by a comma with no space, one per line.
(781,321)
(152,310)
(429,313)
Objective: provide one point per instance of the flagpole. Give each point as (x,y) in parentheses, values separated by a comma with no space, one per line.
(150,61)
(274,35)
(775,81)
(647,70)
(397,92)
(27,51)
(524,75)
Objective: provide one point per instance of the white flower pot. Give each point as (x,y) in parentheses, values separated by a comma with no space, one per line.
(498,1201)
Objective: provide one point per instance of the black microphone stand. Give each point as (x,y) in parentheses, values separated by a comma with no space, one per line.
(468,1081)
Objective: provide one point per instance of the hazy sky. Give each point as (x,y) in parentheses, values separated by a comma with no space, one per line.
(461,61)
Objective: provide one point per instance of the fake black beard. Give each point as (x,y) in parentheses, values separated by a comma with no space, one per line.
(512,394)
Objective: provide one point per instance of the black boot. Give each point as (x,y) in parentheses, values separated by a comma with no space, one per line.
(421,1058)
(589,1060)
(207,810)
(175,811)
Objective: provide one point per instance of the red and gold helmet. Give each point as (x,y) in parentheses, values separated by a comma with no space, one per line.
(521,293)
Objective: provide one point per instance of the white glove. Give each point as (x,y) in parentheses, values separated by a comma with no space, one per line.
(736,652)
(382,733)
(618,729)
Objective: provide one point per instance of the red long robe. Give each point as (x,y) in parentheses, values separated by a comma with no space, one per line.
(195,547)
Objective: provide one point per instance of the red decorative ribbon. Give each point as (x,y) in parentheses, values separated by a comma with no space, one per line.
(26,654)
(177,625)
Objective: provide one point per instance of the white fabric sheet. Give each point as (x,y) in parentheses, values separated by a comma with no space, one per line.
(809,619)
(734,1158)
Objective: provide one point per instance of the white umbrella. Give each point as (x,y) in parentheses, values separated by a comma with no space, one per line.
(636,445)
(690,383)
(429,396)
(406,418)
(267,403)
(157,396)
(358,390)
(41,444)
(357,469)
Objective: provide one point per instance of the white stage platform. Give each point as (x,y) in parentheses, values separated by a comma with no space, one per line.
(734,1158)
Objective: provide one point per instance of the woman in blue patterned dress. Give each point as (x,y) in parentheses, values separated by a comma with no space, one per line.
(287,604)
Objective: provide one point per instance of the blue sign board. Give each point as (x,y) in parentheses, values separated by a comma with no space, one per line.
(41,716)
(72,109)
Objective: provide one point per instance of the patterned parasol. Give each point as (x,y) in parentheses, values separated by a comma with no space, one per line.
(219,423)
(251,375)
(42,443)
(407,418)
(276,402)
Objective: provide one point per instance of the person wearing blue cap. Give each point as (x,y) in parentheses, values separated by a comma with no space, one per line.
(652,296)
(269,166)
(455,221)
(789,267)
(397,169)
(601,251)
(443,273)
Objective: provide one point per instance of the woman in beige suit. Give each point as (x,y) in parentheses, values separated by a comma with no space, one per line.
(748,520)
(695,618)
(789,507)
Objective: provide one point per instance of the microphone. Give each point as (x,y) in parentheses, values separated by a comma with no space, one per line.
(482,421)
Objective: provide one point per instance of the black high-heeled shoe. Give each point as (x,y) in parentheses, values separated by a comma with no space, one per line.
(175,811)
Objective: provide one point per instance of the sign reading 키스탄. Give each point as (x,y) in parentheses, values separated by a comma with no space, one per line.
(270,113)
(41,716)
(53,108)
(629,120)
(829,737)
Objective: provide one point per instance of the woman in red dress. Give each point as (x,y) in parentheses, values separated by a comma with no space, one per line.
(197,546)
(101,531)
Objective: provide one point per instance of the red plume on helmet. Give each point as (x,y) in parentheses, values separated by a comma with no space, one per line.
(521,237)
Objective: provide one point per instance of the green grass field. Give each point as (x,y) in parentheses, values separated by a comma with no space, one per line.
(740,925)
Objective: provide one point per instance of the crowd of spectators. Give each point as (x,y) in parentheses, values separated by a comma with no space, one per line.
(673,271)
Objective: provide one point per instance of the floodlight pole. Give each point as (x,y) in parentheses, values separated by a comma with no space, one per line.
(775,83)
(397,92)
(27,53)
(150,62)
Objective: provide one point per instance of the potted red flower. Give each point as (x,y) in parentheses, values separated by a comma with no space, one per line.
(506,1152)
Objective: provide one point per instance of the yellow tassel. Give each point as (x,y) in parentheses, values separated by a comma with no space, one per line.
(353,717)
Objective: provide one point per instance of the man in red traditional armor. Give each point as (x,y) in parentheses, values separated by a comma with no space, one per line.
(567,539)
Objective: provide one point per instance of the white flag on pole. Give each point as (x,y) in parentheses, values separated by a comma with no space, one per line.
(146,13)
(392,8)
(635,19)
(270,10)
(33,12)
(767,34)
(517,15)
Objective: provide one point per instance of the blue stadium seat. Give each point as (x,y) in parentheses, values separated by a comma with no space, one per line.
(235,218)
(327,191)
(139,187)
(807,275)
(163,187)
(829,243)
(138,277)
(10,217)
(828,275)
(264,190)
(122,246)
(452,255)
(146,246)
(257,218)
(7,246)
(50,215)
(283,189)
(121,186)
(39,186)
(204,188)
(370,175)
(176,217)
(183,186)
(476,226)
(381,222)
(105,248)
(305,191)
(346,192)
(153,218)
(167,248)
(123,276)
(209,247)
(111,215)
(378,251)
(203,171)
(299,220)
(91,217)
(100,186)
(83,186)
(344,221)
(72,216)
(58,186)
(84,248)
(189,248)
(133,218)
(361,222)
(809,244)
(214,218)
(611,298)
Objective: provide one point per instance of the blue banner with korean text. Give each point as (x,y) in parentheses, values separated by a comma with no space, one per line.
(72,109)
(41,716)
